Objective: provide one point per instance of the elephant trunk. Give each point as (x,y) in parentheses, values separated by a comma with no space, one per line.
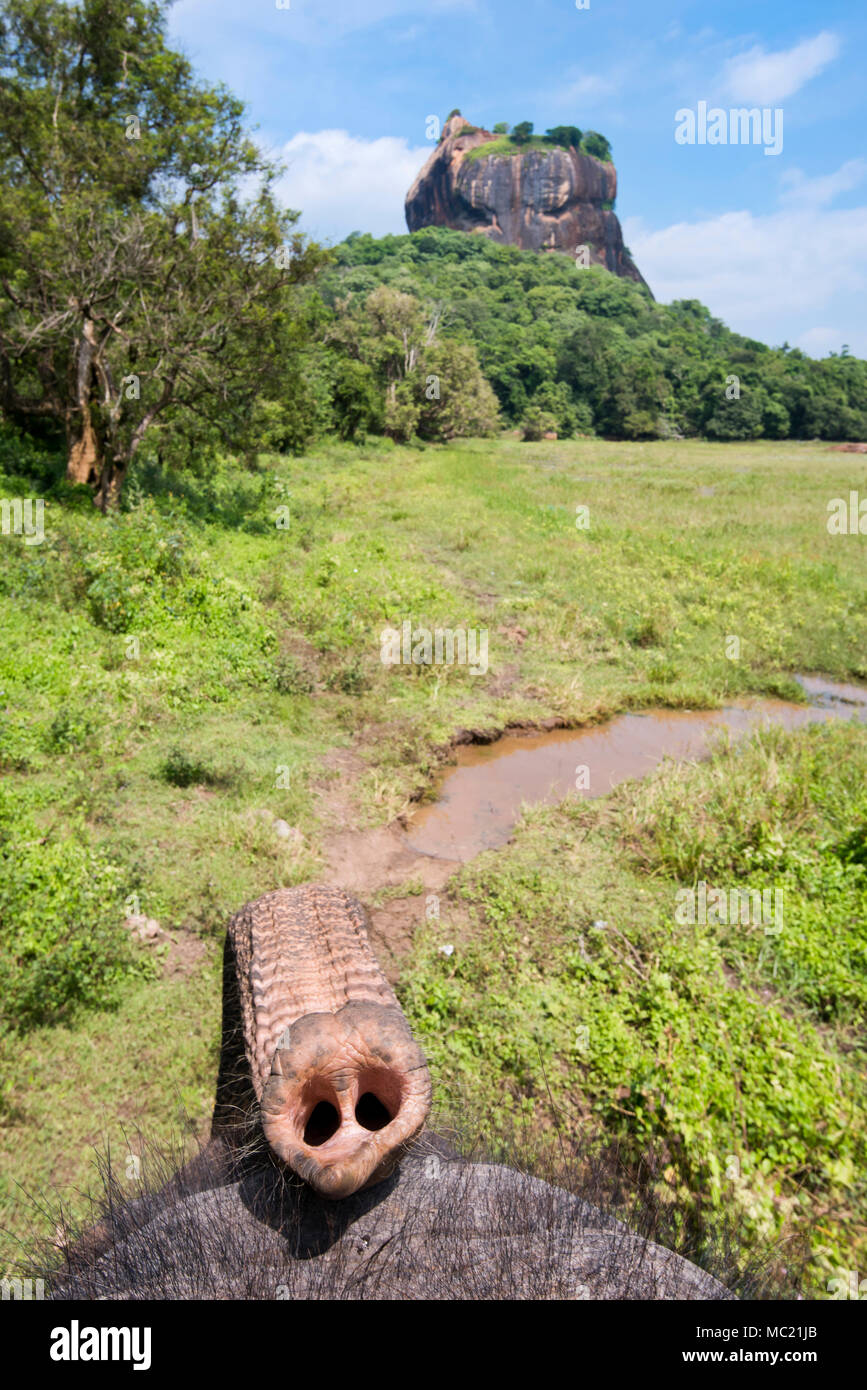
(313,1035)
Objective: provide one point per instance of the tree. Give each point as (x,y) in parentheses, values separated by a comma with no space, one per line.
(740,418)
(568,135)
(456,399)
(522,132)
(501,128)
(536,424)
(597,145)
(357,400)
(134,280)
(589,348)
(427,386)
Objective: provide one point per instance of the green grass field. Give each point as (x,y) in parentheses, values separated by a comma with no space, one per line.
(175,677)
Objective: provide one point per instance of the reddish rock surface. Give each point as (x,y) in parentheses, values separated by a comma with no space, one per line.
(541,200)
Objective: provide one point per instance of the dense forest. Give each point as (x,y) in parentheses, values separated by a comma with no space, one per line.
(580,351)
(440,334)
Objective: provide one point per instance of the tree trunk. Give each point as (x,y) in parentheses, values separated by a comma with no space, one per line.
(86,460)
(85,463)
(110,485)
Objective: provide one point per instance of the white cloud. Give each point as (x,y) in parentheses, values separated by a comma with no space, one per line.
(757,76)
(341,183)
(769,277)
(799,190)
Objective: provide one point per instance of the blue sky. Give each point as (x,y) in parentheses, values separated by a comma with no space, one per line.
(776,245)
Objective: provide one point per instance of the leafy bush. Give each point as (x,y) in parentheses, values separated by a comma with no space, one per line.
(137,559)
(537,423)
(357,403)
(69,729)
(290,677)
(596,145)
(349,679)
(181,770)
(456,400)
(62,943)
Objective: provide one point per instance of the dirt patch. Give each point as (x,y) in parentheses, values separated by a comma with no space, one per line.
(366,861)
(184,956)
(514,634)
(335,790)
(505,681)
(518,726)
(197,796)
(180,951)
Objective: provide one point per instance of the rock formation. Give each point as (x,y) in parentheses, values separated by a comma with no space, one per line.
(538,199)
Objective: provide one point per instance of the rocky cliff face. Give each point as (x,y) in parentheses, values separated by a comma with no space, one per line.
(540,200)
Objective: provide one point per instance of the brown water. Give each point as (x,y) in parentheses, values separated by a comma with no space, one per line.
(480,800)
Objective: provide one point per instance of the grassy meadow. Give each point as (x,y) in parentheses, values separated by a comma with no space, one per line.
(176,676)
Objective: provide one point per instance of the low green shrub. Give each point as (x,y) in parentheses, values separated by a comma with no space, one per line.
(63,947)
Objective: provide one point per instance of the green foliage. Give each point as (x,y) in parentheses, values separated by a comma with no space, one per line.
(62,945)
(501,128)
(621,365)
(291,678)
(356,400)
(537,423)
(702,1039)
(181,770)
(740,418)
(554,400)
(349,678)
(721,828)
(568,135)
(69,729)
(596,145)
(138,284)
(407,381)
(138,561)
(456,399)
(522,132)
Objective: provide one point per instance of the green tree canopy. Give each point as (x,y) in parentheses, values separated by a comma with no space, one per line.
(564,135)
(134,278)
(596,144)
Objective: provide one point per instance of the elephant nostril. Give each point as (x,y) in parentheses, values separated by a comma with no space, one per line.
(371,1113)
(323,1122)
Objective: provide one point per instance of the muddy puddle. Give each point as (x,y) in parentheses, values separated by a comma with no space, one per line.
(479,801)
